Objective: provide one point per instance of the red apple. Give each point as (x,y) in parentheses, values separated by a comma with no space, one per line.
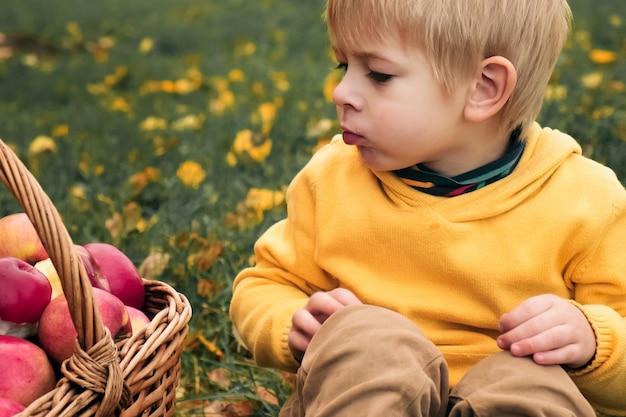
(96,277)
(26,371)
(120,272)
(25,294)
(138,319)
(19,239)
(9,408)
(57,334)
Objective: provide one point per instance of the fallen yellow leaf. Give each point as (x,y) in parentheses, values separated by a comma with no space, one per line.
(191,174)
(602,56)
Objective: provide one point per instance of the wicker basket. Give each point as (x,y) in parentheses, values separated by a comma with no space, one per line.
(136,376)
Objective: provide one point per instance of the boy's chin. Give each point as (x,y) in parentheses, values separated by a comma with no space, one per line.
(377,162)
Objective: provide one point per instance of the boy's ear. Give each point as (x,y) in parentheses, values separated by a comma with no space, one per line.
(492,86)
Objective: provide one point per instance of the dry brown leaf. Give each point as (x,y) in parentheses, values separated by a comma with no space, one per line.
(221,377)
(205,287)
(204,258)
(154,265)
(228,409)
(266,395)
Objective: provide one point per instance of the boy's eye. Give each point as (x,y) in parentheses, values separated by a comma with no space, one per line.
(379,77)
(342,66)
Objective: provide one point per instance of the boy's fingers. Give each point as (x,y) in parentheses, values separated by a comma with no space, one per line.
(551,339)
(322,302)
(528,309)
(305,323)
(298,344)
(344,296)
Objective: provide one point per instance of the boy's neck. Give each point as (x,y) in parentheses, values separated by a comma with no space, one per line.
(485,143)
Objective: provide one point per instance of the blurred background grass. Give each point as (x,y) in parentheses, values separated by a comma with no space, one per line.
(171,129)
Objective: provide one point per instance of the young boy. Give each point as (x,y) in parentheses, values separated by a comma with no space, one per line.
(446,255)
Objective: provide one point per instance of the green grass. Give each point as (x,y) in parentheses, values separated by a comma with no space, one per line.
(79,74)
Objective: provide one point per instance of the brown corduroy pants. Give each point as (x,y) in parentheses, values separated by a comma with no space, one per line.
(369,361)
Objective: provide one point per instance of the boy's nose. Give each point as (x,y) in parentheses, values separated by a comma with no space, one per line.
(345,95)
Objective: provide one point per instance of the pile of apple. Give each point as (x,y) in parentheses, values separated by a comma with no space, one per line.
(36,330)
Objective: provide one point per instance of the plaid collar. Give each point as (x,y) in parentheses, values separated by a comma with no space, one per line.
(428,181)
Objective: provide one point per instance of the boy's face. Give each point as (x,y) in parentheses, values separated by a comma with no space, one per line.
(393,109)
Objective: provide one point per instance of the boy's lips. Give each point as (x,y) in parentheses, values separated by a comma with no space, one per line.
(351,138)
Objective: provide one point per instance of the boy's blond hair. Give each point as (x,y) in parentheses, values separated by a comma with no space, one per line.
(456,35)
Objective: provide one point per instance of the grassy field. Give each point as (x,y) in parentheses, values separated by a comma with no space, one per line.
(171,129)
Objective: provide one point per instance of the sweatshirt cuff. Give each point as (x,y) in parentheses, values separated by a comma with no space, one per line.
(289,362)
(601,322)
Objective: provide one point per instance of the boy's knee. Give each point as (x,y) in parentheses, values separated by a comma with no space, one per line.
(372,331)
(368,340)
(505,384)
(365,356)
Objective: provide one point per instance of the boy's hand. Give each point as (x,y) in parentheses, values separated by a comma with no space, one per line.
(307,321)
(551,329)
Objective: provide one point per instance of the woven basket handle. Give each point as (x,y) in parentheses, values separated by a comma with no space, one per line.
(57,242)
(74,279)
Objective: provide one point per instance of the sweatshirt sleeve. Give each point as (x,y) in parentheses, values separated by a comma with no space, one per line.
(266,295)
(600,292)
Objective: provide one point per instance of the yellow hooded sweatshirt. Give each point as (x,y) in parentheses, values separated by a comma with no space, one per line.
(556,224)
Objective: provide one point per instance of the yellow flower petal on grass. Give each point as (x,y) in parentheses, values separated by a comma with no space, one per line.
(330,83)
(280,81)
(615,20)
(245,49)
(211,346)
(243,141)
(593,80)
(191,174)
(118,75)
(61,130)
(236,75)
(185,86)
(267,112)
(225,99)
(146,45)
(140,180)
(129,220)
(253,144)
(555,93)
(189,122)
(251,211)
(194,75)
(120,104)
(97,88)
(168,86)
(153,123)
(231,159)
(74,30)
(262,199)
(180,86)
(259,153)
(602,56)
(603,112)
(42,144)
(78,198)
